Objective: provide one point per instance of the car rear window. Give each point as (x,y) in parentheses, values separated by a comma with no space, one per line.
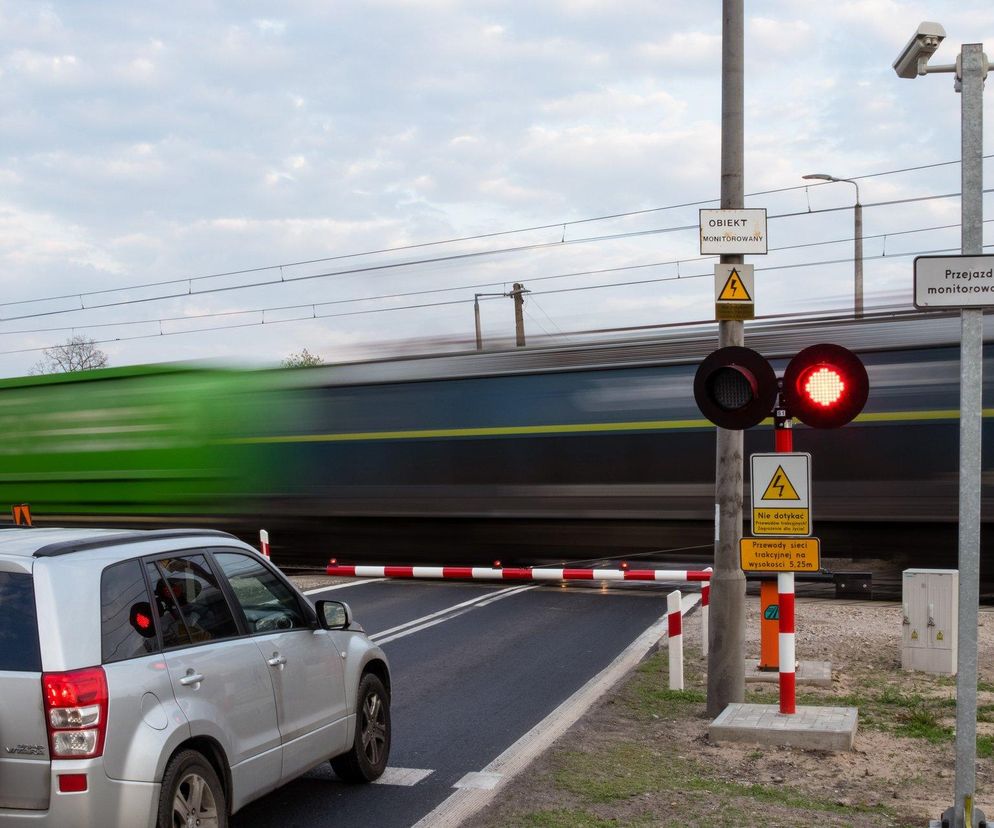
(127,625)
(19,651)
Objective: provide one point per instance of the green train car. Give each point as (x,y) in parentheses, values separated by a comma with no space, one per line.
(150,443)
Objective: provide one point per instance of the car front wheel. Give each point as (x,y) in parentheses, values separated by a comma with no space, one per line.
(192,795)
(367,759)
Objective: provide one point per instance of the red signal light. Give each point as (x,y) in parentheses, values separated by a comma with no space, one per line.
(825,386)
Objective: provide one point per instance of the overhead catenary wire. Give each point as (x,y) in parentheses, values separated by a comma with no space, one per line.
(469,301)
(475,286)
(415,262)
(189,280)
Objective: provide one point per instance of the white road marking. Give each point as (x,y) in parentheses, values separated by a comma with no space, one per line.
(426,621)
(407,777)
(479,781)
(466,801)
(344,586)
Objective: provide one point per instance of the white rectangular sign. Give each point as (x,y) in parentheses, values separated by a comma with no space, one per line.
(954,281)
(781,494)
(733,231)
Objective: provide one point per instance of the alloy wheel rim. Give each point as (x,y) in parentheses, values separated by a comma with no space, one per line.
(194,805)
(374,728)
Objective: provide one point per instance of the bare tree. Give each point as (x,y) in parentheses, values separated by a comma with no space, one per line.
(302,359)
(78,353)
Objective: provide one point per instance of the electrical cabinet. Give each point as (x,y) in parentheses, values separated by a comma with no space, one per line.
(931,604)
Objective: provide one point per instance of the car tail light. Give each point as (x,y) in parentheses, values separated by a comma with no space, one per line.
(76,712)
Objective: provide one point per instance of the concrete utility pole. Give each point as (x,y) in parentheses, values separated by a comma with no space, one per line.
(518,294)
(726,653)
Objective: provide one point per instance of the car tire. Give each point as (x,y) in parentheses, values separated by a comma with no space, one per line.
(367,759)
(190,782)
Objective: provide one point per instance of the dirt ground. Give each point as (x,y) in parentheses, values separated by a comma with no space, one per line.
(642,757)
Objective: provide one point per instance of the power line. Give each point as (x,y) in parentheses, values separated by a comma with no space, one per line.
(189,280)
(468,301)
(476,286)
(416,262)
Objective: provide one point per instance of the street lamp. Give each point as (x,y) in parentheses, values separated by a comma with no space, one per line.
(858,240)
(970,70)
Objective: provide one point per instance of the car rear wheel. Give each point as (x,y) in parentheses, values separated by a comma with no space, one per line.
(367,759)
(192,796)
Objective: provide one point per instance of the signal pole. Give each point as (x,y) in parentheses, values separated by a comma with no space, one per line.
(726,651)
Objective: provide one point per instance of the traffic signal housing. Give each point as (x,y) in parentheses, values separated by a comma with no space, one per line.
(735,388)
(825,386)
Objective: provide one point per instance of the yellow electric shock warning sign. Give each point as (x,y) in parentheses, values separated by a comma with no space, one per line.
(734,289)
(781,486)
(780,554)
(733,292)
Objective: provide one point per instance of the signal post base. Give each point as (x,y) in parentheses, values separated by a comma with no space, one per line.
(812,673)
(812,728)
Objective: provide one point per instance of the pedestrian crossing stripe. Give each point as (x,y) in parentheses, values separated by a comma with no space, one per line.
(734,289)
(780,487)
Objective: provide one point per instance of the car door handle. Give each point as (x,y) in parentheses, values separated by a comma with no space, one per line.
(276,661)
(191,678)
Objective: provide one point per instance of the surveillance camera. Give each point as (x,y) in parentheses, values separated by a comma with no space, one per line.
(911,62)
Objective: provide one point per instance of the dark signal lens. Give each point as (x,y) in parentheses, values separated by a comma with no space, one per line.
(732,387)
(735,388)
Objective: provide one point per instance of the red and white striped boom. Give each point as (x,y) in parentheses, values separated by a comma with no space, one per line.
(518,574)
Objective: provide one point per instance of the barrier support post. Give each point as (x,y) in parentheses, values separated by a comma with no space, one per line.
(788,699)
(675,625)
(705,616)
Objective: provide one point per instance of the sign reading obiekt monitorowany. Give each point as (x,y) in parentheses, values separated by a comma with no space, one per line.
(733,231)
(954,281)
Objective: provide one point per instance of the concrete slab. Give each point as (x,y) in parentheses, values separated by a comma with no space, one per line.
(813,728)
(813,673)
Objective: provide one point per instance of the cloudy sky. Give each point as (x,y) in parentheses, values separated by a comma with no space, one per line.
(171,169)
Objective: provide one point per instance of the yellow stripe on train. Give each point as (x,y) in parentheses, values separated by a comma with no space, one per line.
(570,428)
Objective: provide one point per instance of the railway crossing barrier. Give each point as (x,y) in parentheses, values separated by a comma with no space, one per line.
(517,573)
(674,609)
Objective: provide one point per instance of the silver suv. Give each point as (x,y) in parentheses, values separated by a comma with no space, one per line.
(167,678)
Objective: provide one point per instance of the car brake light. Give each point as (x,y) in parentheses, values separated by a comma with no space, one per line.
(76,708)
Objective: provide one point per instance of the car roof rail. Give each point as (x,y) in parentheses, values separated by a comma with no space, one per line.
(67,547)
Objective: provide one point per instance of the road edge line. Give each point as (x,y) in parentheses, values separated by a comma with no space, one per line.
(465,802)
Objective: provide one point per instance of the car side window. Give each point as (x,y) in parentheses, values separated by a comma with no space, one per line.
(127,623)
(268,603)
(191,606)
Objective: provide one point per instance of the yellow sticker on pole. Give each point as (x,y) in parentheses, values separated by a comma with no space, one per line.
(780,554)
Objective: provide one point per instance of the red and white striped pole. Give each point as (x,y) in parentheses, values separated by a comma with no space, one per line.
(675,627)
(264,543)
(705,616)
(785,588)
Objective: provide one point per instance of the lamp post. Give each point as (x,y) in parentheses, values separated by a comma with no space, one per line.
(970,70)
(857,240)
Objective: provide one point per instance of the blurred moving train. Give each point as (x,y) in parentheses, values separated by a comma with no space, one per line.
(464,456)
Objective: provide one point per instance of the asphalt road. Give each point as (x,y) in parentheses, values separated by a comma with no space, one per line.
(482,667)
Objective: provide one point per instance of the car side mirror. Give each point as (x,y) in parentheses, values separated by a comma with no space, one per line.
(333,615)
